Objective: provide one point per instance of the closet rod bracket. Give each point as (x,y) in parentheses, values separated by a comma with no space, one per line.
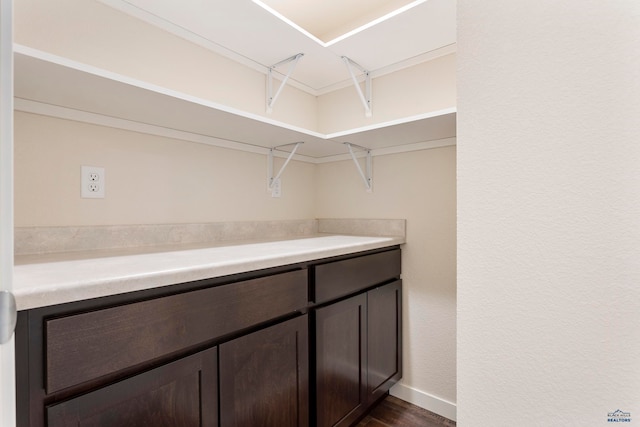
(271,97)
(367,175)
(270,178)
(365,97)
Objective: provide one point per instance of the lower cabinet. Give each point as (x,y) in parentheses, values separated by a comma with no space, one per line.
(264,377)
(263,381)
(179,394)
(358,353)
(307,345)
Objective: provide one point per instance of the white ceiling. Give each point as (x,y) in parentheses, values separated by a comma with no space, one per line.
(247,32)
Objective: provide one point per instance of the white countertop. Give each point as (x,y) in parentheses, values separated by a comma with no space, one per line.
(54,279)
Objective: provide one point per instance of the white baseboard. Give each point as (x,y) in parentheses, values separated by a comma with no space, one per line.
(425,400)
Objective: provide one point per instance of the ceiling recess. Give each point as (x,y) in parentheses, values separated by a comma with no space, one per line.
(329,21)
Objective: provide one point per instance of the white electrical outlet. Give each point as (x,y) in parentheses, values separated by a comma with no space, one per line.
(276,188)
(92,182)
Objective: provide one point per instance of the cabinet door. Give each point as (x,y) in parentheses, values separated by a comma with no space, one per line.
(384,339)
(179,394)
(264,377)
(341,361)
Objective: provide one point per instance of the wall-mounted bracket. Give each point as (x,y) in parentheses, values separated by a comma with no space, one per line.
(366,96)
(270,178)
(8,316)
(367,176)
(271,98)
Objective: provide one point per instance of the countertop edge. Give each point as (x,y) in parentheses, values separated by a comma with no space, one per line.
(32,290)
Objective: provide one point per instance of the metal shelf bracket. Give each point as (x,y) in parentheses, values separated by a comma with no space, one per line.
(270,178)
(367,176)
(271,98)
(366,96)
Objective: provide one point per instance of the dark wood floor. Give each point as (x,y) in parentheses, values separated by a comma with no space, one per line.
(393,412)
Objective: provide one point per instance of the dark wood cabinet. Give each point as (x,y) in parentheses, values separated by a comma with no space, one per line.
(179,394)
(351,275)
(358,353)
(264,377)
(79,347)
(340,330)
(151,358)
(311,344)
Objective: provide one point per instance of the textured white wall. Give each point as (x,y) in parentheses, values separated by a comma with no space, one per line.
(420,187)
(548,212)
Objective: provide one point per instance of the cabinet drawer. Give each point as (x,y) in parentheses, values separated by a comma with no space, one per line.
(340,278)
(86,346)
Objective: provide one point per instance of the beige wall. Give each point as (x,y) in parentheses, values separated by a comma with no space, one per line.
(426,87)
(150,179)
(421,187)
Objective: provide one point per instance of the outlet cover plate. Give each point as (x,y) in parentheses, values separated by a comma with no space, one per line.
(92,182)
